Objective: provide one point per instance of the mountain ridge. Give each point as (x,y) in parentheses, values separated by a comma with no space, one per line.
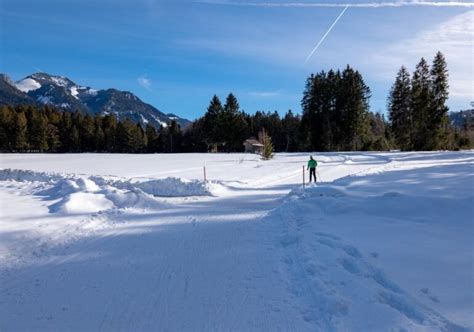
(59,91)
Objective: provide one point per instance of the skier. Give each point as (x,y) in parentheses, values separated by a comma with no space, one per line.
(312,168)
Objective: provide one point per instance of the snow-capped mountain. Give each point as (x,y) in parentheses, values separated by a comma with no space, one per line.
(59,91)
(10,95)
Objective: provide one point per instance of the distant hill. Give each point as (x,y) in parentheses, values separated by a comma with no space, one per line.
(462,118)
(60,91)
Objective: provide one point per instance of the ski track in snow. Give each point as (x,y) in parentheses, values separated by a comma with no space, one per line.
(249,251)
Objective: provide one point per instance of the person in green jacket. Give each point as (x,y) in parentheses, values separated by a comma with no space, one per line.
(312,168)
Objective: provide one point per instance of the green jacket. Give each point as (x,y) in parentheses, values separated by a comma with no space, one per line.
(312,163)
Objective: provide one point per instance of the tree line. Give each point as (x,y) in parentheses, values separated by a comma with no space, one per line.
(335,117)
(45,129)
(417,108)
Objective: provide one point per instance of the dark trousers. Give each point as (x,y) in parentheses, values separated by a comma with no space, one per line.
(312,174)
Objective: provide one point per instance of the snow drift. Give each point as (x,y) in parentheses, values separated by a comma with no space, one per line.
(77,194)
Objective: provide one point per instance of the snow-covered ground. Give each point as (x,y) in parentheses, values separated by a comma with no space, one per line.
(385,242)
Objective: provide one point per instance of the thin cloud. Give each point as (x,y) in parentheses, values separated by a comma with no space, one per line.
(144,82)
(342,5)
(264,94)
(453,37)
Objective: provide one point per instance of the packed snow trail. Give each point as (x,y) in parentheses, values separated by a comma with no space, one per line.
(247,257)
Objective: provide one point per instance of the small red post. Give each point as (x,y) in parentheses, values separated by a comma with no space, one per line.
(205,177)
(303,176)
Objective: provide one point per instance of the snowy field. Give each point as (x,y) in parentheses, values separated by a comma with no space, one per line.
(384,242)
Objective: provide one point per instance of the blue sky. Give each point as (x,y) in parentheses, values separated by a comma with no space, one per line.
(176,54)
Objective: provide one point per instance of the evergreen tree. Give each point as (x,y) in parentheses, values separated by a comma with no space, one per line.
(137,139)
(20,141)
(354,109)
(231,105)
(378,138)
(212,124)
(399,108)
(37,129)
(7,126)
(290,124)
(53,139)
(75,140)
(65,133)
(194,137)
(232,125)
(109,126)
(421,104)
(439,110)
(99,135)
(174,137)
(152,138)
(87,131)
(123,139)
(266,140)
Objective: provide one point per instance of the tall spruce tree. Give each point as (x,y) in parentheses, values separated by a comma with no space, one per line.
(152,138)
(123,139)
(228,121)
(399,109)
(354,107)
(212,125)
(7,128)
(421,105)
(109,126)
(290,125)
(87,131)
(439,110)
(20,141)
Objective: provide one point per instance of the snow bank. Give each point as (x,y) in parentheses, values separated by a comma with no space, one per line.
(29,176)
(76,194)
(168,187)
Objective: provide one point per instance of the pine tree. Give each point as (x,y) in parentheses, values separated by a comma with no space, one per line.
(266,140)
(231,125)
(137,139)
(231,104)
(378,140)
(37,129)
(65,132)
(7,126)
(75,140)
(290,125)
(212,125)
(174,137)
(20,132)
(421,103)
(87,133)
(439,110)
(399,109)
(53,140)
(123,137)
(354,97)
(109,126)
(99,135)
(152,138)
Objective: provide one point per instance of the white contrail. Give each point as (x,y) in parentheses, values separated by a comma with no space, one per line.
(326,34)
(355,5)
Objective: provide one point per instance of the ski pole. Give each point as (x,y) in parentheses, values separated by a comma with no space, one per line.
(319,176)
(303,177)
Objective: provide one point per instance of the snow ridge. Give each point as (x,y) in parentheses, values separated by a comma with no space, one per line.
(90,194)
